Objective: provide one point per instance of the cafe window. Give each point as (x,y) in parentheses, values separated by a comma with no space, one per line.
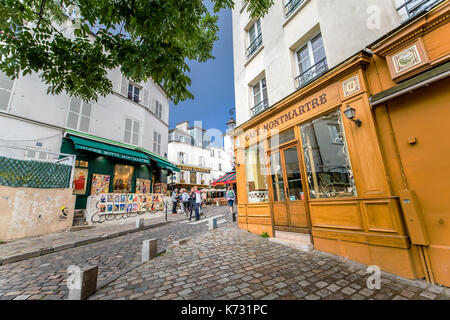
(257,189)
(328,168)
(123,177)
(282,138)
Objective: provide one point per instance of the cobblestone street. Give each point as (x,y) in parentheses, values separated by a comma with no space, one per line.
(229,263)
(44,277)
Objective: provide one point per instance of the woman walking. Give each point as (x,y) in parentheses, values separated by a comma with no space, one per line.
(191,203)
(231,198)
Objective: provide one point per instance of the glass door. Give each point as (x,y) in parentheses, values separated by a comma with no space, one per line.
(287,188)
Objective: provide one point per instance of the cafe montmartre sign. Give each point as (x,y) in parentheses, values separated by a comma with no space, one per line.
(291,115)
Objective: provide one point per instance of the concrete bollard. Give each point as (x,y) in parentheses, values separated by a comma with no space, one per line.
(149,249)
(83,282)
(139,223)
(213,224)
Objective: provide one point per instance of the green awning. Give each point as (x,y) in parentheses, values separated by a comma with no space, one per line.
(109,150)
(163,164)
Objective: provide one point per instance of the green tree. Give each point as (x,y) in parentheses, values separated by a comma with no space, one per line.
(145,38)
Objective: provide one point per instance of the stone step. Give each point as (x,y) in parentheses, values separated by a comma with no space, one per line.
(295,244)
(302,237)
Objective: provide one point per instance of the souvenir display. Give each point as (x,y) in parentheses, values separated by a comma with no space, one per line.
(99,184)
(142,186)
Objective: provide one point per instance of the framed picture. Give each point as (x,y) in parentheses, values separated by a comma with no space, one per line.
(99,184)
(80,181)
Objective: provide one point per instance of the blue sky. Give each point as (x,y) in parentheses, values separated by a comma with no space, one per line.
(212,84)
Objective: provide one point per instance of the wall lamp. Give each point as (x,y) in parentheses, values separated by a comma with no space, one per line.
(350,113)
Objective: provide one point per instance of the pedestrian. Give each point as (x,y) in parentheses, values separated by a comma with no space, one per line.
(191,203)
(185,202)
(174,200)
(198,203)
(231,198)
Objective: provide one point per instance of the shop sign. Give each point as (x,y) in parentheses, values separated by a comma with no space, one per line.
(192,169)
(289,116)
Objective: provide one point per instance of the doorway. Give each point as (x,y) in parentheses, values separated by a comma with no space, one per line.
(289,207)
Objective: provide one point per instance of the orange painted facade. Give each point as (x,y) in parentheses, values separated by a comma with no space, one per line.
(388,205)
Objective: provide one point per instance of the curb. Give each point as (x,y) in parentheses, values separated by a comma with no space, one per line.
(79,243)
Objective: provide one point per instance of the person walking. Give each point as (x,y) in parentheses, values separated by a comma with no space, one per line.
(191,203)
(174,200)
(231,198)
(198,203)
(184,201)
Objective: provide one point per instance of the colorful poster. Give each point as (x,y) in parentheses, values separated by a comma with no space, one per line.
(99,184)
(80,181)
(142,186)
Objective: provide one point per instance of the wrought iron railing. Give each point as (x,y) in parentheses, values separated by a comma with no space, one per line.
(256,43)
(291,5)
(312,73)
(414,7)
(260,107)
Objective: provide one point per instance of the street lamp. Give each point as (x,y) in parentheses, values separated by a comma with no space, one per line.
(350,114)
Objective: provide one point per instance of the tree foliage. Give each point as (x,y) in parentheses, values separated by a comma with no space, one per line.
(73,43)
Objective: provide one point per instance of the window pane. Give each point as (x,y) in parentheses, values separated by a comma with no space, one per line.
(257,189)
(127,137)
(31,154)
(130,91)
(135,139)
(5,81)
(123,176)
(293,176)
(42,155)
(87,109)
(128,124)
(136,128)
(328,167)
(304,62)
(281,138)
(4,99)
(75,105)
(276,173)
(318,50)
(159,138)
(84,124)
(136,94)
(72,120)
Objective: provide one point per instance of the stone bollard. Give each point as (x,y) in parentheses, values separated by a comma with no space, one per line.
(83,282)
(149,249)
(139,223)
(213,224)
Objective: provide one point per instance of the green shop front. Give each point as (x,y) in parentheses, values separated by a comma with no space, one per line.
(105,166)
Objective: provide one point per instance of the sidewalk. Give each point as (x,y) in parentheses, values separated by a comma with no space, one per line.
(229,263)
(37,246)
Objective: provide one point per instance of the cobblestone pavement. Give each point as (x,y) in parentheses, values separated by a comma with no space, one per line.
(34,244)
(44,277)
(229,263)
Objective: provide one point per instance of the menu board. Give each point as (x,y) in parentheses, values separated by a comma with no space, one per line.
(100,184)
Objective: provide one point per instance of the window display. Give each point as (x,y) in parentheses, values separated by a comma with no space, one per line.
(143,186)
(99,184)
(123,177)
(328,168)
(255,166)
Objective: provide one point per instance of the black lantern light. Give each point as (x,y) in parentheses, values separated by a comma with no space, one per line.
(350,113)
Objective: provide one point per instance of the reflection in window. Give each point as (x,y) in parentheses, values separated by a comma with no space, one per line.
(257,188)
(328,167)
(282,138)
(276,172)
(123,176)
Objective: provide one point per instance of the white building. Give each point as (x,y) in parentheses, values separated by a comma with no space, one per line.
(200,161)
(298,40)
(134,118)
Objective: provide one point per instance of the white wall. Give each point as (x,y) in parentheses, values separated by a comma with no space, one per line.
(343,25)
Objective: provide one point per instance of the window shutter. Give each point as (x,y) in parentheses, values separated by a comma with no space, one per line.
(124,87)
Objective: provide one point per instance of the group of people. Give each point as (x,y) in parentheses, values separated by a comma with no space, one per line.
(195,200)
(189,202)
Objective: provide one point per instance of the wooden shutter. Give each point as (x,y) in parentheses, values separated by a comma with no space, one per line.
(124,87)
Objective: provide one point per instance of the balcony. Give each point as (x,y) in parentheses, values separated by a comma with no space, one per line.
(312,73)
(256,43)
(260,107)
(412,8)
(291,5)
